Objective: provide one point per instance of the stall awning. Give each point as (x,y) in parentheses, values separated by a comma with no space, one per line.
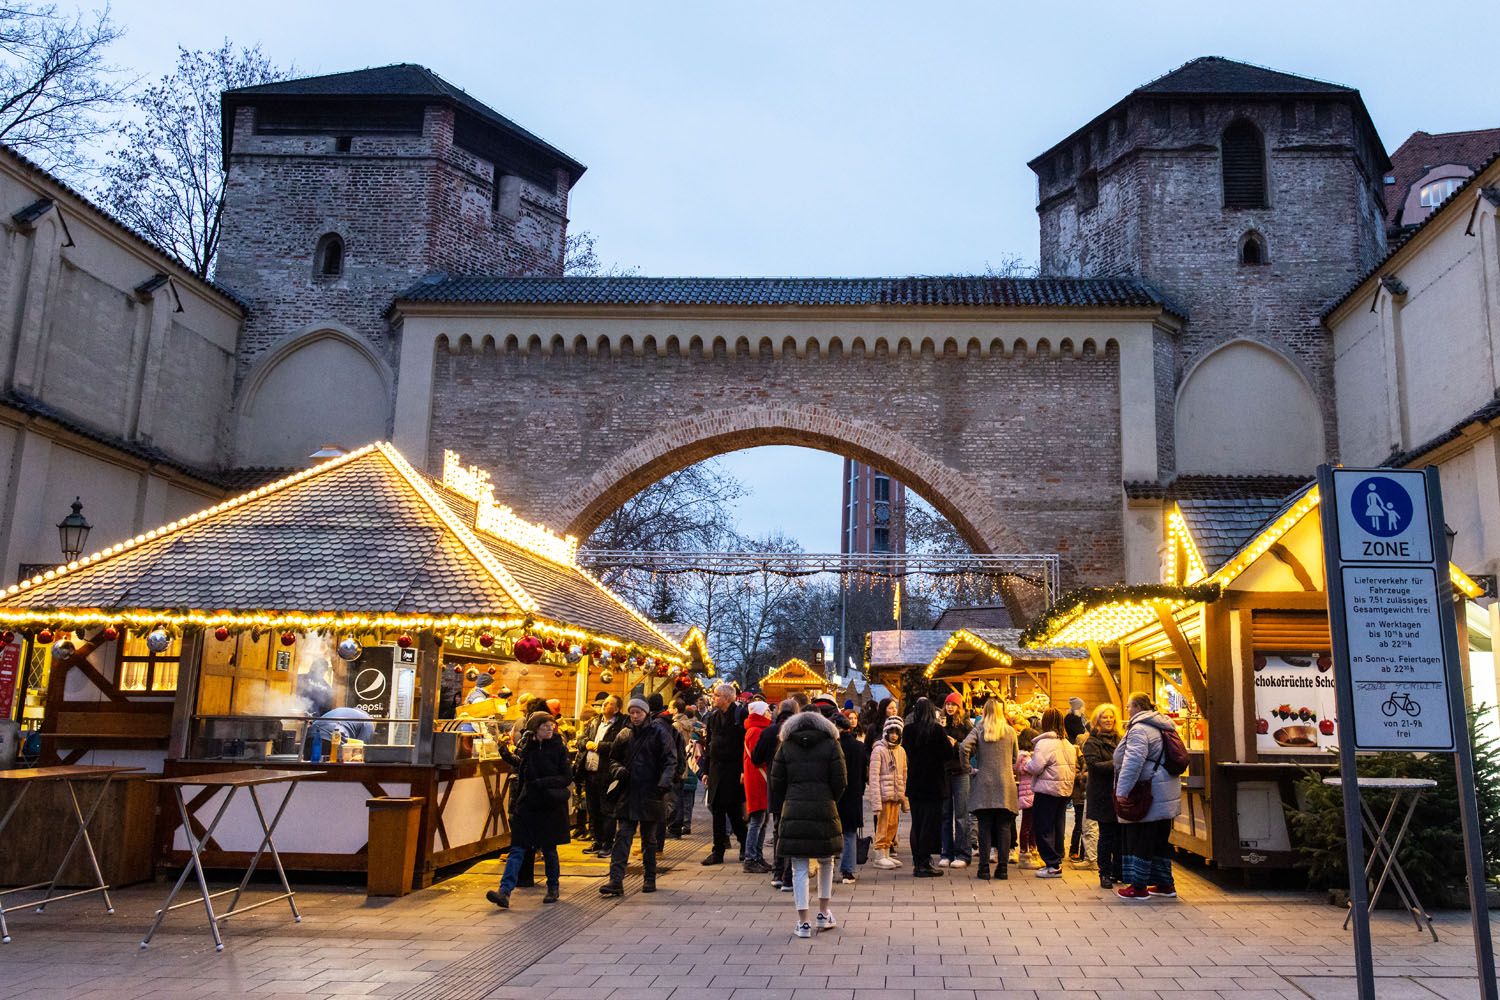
(361,541)
(974,651)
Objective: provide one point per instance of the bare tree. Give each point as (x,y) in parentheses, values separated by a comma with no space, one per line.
(166,179)
(754,606)
(55,83)
(581,258)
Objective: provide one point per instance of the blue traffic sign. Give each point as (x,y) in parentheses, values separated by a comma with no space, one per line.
(1381,507)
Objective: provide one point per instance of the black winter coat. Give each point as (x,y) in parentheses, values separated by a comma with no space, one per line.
(539,810)
(857,767)
(956,727)
(725,737)
(927,755)
(645,759)
(1099,764)
(808,776)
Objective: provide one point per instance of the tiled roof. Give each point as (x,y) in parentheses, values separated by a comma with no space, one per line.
(399,80)
(1220,528)
(1423,151)
(959,291)
(1266,521)
(1200,487)
(975,618)
(1487,413)
(891,649)
(1456,197)
(353,536)
(1217,75)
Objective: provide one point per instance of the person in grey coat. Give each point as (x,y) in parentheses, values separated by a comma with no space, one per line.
(989,752)
(1147,852)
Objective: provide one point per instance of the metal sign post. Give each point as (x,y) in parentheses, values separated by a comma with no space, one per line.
(1398,668)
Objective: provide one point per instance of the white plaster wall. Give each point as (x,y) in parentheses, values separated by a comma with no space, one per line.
(1362,396)
(325,391)
(1244,409)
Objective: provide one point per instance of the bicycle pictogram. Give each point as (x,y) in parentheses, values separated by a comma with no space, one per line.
(1402,703)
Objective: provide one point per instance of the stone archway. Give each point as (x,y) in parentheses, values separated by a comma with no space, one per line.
(679,445)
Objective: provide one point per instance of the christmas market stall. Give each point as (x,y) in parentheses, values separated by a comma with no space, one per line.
(982,663)
(357,618)
(1234,645)
(792,676)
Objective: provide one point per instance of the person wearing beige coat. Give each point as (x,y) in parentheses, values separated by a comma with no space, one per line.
(989,751)
(887,791)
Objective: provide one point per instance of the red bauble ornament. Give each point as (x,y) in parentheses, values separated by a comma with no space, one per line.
(221,633)
(404,641)
(110,633)
(661,670)
(44,636)
(551,645)
(486,640)
(490,671)
(640,661)
(7,637)
(557,672)
(528,649)
(287,638)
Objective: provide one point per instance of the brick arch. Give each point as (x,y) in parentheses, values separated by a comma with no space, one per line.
(955,495)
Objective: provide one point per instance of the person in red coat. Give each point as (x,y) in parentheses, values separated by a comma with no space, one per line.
(757,796)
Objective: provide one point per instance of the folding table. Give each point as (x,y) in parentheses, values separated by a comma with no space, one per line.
(1384,850)
(67,774)
(230,782)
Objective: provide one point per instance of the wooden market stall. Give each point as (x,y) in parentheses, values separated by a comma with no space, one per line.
(792,676)
(980,663)
(1235,647)
(412,615)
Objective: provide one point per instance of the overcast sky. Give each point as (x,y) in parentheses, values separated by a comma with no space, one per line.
(823,138)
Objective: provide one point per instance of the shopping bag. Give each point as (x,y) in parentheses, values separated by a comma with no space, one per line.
(862,848)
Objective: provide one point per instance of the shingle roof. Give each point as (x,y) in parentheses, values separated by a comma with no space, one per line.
(1200,487)
(1220,528)
(890,649)
(1217,75)
(1487,413)
(961,291)
(353,536)
(398,80)
(975,618)
(1437,213)
(1423,151)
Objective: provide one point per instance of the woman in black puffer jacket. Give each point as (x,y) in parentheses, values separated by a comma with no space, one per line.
(808,776)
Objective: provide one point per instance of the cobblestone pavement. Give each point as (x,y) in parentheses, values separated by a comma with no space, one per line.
(719,934)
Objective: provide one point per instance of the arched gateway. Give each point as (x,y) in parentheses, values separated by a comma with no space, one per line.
(1018,407)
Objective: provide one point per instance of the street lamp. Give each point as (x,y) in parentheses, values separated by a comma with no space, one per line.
(73,532)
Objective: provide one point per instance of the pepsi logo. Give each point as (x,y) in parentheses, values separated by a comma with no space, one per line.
(369,684)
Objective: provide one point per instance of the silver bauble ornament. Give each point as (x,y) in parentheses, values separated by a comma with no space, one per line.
(158,641)
(574,654)
(605,676)
(63,650)
(350,649)
(603,656)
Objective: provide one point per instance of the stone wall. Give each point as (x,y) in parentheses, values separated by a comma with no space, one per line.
(1022,451)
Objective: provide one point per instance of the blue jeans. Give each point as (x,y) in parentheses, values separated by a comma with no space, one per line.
(517,855)
(686,796)
(956,819)
(755,841)
(850,856)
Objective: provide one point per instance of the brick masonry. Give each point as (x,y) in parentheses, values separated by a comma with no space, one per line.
(1021,451)
(1160,215)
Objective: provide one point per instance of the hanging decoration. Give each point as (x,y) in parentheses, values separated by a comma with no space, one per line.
(661,670)
(574,653)
(44,637)
(550,644)
(221,633)
(605,676)
(490,671)
(471,675)
(63,650)
(158,640)
(528,649)
(602,655)
(288,638)
(350,648)
(557,672)
(459,669)
(404,641)
(7,637)
(486,640)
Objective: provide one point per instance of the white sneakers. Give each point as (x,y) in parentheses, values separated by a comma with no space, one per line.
(826,922)
(943,862)
(958,863)
(883,859)
(1049,873)
(804,929)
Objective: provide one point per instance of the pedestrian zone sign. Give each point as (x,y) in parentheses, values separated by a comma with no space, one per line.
(1383,516)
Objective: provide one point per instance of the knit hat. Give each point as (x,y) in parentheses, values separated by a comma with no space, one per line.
(894,722)
(953,699)
(554,705)
(823,697)
(1076,703)
(848,703)
(535,720)
(639,703)
(760,708)
(656,704)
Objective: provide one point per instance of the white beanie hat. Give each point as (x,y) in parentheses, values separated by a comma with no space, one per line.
(760,708)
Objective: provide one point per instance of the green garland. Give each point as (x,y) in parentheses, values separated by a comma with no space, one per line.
(1077,601)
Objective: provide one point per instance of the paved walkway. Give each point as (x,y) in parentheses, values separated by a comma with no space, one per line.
(718,934)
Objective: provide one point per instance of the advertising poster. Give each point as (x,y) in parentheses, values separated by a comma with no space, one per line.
(1295,710)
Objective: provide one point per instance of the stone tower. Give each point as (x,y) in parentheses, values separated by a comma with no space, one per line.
(342,191)
(1252,199)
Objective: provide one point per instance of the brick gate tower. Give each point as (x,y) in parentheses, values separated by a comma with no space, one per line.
(1251,198)
(343,190)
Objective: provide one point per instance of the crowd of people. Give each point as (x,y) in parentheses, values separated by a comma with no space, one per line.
(793,784)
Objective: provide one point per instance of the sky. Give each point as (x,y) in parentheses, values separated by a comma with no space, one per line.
(828,138)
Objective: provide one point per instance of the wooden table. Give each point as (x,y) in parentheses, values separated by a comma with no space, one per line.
(231,782)
(68,774)
(1383,849)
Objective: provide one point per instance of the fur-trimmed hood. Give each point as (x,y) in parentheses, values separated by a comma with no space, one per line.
(807,728)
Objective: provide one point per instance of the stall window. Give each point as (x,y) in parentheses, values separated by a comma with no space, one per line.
(143,670)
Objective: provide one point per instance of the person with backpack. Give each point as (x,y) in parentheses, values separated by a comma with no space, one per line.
(1147,757)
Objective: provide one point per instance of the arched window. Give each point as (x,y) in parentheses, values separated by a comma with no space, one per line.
(1244,162)
(328,258)
(1253,248)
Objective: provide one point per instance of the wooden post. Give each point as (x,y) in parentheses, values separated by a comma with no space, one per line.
(1109,679)
(1192,670)
(185,701)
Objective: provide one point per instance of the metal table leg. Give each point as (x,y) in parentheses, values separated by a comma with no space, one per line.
(88,845)
(194,866)
(266,842)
